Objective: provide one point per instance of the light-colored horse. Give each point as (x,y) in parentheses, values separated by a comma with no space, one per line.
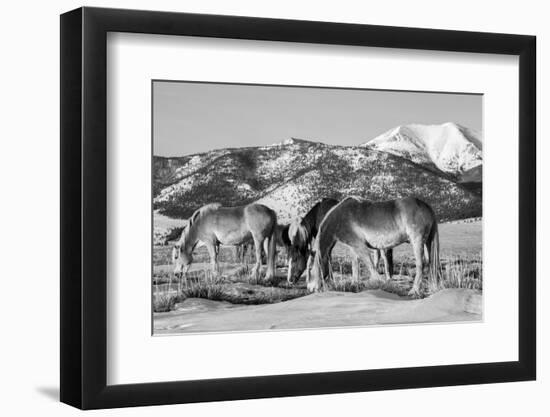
(214,225)
(302,233)
(365,225)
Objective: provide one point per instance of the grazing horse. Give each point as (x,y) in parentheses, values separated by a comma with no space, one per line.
(302,234)
(296,260)
(365,225)
(214,225)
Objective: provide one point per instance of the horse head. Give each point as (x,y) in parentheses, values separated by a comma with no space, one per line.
(298,250)
(182,253)
(297,261)
(298,234)
(180,260)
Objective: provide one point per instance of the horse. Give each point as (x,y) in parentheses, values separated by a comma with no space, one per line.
(214,225)
(364,225)
(294,259)
(302,233)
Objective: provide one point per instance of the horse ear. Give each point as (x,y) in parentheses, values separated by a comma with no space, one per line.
(194,217)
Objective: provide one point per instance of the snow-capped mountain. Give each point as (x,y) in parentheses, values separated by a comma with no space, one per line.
(291,176)
(449,147)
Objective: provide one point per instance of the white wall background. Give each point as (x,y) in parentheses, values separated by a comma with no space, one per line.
(29,219)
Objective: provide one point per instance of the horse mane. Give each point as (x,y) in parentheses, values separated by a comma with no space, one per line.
(327,217)
(299,233)
(197,214)
(351,197)
(202,211)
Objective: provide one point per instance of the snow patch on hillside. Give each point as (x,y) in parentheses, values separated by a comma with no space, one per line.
(284,201)
(182,186)
(290,142)
(197,162)
(357,157)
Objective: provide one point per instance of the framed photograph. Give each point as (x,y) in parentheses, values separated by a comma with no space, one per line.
(261,208)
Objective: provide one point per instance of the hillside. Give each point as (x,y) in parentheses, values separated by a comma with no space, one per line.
(472,179)
(292,175)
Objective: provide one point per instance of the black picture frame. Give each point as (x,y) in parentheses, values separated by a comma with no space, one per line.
(84,223)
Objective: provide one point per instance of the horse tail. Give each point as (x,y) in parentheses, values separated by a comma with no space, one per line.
(435,265)
(319,284)
(329,272)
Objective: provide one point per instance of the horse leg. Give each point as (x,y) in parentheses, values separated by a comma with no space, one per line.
(271,249)
(258,252)
(309,266)
(389,257)
(289,271)
(418,249)
(330,275)
(385,257)
(244,250)
(362,251)
(266,250)
(355,271)
(373,272)
(213,250)
(376,257)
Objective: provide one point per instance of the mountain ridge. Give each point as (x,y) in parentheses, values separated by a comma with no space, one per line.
(292,175)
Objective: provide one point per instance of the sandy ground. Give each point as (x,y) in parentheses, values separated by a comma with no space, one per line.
(328,309)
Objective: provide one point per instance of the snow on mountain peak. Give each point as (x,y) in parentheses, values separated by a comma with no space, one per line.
(292,141)
(449,147)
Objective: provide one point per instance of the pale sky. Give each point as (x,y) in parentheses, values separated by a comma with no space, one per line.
(191,117)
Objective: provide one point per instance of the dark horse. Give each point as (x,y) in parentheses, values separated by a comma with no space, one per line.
(364,225)
(302,233)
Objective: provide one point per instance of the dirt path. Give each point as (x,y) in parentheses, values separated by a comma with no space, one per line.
(329,309)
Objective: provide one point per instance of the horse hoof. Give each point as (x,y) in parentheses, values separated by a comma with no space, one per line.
(414,293)
(313,288)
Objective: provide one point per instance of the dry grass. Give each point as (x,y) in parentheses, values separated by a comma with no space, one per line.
(347,284)
(457,271)
(238,286)
(164,302)
(209,290)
